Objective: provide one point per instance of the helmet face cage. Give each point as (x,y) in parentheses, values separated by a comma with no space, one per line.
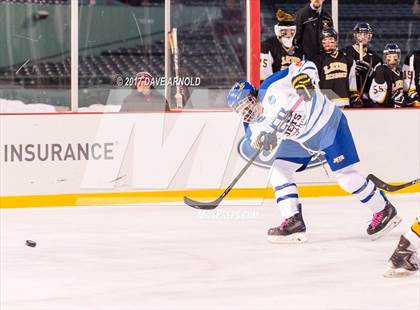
(392,49)
(327,40)
(359,36)
(326,36)
(285,34)
(362,31)
(248,108)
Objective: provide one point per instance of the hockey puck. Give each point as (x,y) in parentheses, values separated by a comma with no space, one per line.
(30,243)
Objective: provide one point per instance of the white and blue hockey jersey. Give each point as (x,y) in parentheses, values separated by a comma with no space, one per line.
(314,123)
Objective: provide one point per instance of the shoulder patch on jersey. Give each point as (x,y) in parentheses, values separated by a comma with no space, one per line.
(272,99)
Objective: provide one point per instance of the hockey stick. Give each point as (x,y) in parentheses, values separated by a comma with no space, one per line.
(362,89)
(214,204)
(411,70)
(388,187)
(360,59)
(173,43)
(411,63)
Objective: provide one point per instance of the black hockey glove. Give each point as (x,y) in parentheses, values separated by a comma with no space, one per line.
(303,85)
(266,140)
(413,99)
(362,67)
(355,100)
(398,99)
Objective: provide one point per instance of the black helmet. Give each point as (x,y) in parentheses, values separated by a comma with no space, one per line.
(362,28)
(329,32)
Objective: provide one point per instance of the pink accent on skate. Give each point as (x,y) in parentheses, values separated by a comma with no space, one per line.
(377,217)
(284,223)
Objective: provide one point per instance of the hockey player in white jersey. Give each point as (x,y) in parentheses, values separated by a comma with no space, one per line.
(316,126)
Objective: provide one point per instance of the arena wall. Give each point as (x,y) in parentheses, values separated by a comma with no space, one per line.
(90,159)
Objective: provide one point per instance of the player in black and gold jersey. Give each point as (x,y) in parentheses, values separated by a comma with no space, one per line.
(278,52)
(336,71)
(387,86)
(367,61)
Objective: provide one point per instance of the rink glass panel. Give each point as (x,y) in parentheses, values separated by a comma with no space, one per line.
(212,47)
(211,50)
(121,38)
(116,41)
(34,61)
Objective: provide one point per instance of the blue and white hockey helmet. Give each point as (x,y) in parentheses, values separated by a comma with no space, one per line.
(240,91)
(392,55)
(242,98)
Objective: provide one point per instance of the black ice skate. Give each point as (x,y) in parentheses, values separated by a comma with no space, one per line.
(403,262)
(383,221)
(291,230)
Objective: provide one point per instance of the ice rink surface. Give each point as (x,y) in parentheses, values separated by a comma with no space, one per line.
(172,257)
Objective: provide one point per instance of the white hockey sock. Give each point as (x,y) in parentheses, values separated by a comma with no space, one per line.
(287,199)
(284,187)
(352,182)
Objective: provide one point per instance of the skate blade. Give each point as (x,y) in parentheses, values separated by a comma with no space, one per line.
(390,226)
(294,238)
(398,273)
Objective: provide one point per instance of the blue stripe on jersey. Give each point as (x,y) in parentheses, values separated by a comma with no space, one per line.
(320,113)
(325,137)
(247,130)
(313,103)
(270,80)
(287,197)
(277,188)
(316,120)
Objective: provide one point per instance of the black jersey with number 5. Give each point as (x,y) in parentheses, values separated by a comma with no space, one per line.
(386,83)
(370,59)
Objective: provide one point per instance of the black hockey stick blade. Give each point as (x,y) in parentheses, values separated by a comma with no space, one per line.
(389,187)
(202,205)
